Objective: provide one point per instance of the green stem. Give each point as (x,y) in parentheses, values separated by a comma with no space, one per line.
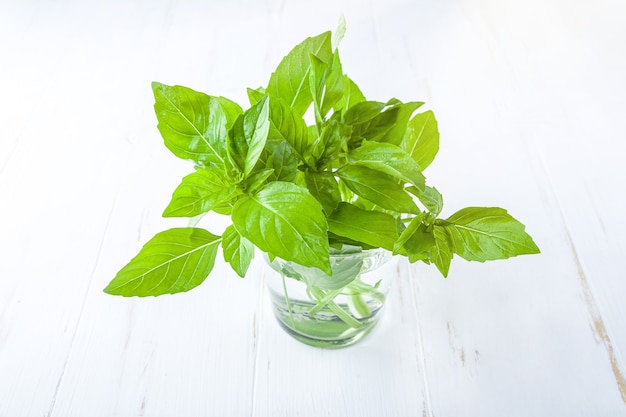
(344,316)
(341,313)
(358,306)
(355,292)
(293,323)
(359,287)
(330,296)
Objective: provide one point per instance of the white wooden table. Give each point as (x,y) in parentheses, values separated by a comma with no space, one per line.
(531,102)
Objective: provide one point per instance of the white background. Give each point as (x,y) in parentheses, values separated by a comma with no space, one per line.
(531,102)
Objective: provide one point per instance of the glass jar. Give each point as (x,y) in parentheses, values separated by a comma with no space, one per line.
(331,311)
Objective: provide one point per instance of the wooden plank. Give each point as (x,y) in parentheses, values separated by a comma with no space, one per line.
(58,190)
(499,334)
(586,177)
(189,354)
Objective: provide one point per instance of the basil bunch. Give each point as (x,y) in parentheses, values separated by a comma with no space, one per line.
(295,190)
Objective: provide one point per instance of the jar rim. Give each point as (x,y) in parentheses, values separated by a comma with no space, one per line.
(348,250)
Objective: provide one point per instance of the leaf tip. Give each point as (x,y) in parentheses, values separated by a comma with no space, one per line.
(168,212)
(533,249)
(444,269)
(110,289)
(327,269)
(339,33)
(156,86)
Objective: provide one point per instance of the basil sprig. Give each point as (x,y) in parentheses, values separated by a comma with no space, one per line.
(295,189)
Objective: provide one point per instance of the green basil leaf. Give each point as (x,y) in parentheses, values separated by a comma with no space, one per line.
(390,159)
(397,131)
(317,81)
(248,136)
(373,228)
(338,242)
(417,240)
(348,195)
(238,251)
(257,179)
(173,261)
(430,197)
(441,254)
(290,81)
(229,110)
(286,125)
(339,33)
(345,271)
(377,187)
(378,127)
(421,139)
(287,221)
(314,152)
(383,122)
(326,84)
(284,162)
(372,120)
(193,125)
(255,95)
(334,90)
(363,112)
(351,95)
(236,146)
(326,146)
(415,222)
(487,233)
(200,192)
(419,256)
(323,186)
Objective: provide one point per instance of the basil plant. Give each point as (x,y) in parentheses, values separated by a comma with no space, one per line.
(295,189)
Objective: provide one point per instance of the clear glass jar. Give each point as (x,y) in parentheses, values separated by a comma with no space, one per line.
(331,311)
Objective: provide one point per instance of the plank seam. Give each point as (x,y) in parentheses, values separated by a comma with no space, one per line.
(256,328)
(82,307)
(599,328)
(428,411)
